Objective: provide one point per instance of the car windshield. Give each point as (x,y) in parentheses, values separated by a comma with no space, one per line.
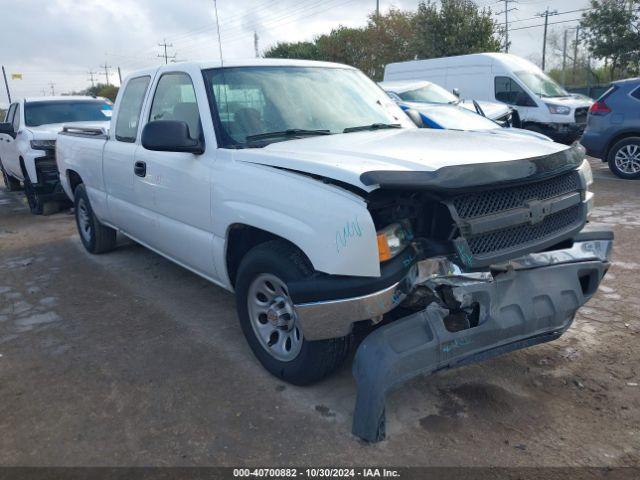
(46,112)
(457,118)
(428,94)
(260,105)
(541,85)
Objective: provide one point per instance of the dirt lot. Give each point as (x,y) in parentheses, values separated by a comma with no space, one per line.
(127,359)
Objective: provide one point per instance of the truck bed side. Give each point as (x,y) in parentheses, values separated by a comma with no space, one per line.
(79,158)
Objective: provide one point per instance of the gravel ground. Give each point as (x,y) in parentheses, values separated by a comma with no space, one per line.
(127,359)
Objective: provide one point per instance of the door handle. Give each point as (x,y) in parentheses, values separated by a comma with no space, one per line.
(140,169)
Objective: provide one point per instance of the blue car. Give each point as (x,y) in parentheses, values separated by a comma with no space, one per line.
(613,128)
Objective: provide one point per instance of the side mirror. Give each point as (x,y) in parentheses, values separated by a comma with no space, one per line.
(456,92)
(415,117)
(170,136)
(7,129)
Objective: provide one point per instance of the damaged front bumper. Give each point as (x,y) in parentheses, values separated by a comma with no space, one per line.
(529,301)
(322,319)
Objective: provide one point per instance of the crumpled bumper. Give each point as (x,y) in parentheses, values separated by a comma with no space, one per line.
(531,302)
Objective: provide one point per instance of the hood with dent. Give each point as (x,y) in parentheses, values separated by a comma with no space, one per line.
(51,130)
(345,157)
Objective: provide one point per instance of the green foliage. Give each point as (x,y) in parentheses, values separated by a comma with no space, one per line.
(612,33)
(457,27)
(102,90)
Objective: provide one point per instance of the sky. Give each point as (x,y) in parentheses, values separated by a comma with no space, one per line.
(54,44)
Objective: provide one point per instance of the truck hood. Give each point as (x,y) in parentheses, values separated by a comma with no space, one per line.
(51,130)
(492,110)
(573,101)
(352,157)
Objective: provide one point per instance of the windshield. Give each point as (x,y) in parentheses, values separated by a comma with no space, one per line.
(429,94)
(43,113)
(541,85)
(253,101)
(457,118)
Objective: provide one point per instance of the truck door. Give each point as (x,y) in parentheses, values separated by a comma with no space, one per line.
(5,138)
(177,185)
(10,154)
(119,163)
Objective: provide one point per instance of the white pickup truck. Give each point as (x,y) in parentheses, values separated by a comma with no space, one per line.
(27,143)
(302,187)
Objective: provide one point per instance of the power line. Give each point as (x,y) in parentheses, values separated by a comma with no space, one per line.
(164,55)
(106,71)
(550,23)
(545,14)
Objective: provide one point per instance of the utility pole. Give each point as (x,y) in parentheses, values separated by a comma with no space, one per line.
(564,58)
(53,89)
(255,44)
(545,14)
(6,84)
(119,76)
(377,8)
(165,55)
(506,22)
(575,54)
(106,71)
(92,79)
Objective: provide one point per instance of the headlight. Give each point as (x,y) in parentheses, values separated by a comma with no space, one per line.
(586,173)
(43,144)
(558,109)
(393,239)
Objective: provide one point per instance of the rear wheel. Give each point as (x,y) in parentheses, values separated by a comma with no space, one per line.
(11,183)
(624,158)
(96,237)
(269,321)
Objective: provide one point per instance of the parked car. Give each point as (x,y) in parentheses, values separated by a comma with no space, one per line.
(429,93)
(454,117)
(305,189)
(613,128)
(27,143)
(542,104)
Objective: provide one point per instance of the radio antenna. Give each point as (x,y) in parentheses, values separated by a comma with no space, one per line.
(215,7)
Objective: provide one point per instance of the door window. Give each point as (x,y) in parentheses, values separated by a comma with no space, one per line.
(175,99)
(130,107)
(508,91)
(8,118)
(16,118)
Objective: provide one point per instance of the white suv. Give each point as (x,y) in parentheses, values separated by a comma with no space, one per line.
(27,143)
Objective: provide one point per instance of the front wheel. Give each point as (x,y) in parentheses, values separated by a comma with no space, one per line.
(96,237)
(624,158)
(268,317)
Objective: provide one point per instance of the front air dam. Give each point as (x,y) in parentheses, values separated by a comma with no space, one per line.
(518,308)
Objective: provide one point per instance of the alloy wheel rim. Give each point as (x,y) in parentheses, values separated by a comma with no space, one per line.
(273,317)
(84,220)
(627,159)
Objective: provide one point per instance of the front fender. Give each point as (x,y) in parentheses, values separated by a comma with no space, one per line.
(331,226)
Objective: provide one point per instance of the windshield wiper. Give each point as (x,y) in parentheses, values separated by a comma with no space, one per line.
(290,132)
(373,126)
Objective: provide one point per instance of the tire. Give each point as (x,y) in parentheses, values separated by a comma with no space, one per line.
(96,237)
(12,184)
(276,263)
(624,158)
(36,205)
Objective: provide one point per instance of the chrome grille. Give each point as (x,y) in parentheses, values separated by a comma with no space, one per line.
(493,201)
(525,234)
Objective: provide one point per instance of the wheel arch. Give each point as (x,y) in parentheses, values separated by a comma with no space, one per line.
(240,239)
(74,179)
(617,138)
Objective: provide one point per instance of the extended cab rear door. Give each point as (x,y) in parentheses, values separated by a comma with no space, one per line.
(119,162)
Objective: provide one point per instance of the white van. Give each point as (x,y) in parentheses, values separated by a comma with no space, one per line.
(542,104)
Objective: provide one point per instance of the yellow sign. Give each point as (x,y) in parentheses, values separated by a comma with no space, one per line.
(16,76)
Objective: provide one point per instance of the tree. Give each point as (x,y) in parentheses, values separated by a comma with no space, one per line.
(302,50)
(611,29)
(458,27)
(101,90)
